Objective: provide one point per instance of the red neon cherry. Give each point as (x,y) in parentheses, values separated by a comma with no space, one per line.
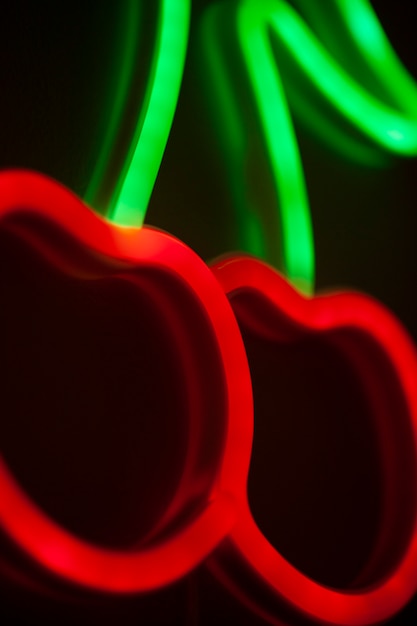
(385,361)
(209,502)
(202,330)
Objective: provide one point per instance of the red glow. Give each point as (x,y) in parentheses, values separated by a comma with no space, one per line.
(373,324)
(25,194)
(280,314)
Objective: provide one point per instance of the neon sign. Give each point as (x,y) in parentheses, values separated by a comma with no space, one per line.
(226,514)
(270,54)
(129,199)
(277,59)
(141,256)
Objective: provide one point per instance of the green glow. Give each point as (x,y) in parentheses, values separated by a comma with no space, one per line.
(326,50)
(231,130)
(360,100)
(374,94)
(364,27)
(379,54)
(335,136)
(260,232)
(391,129)
(130,29)
(121,185)
(131,196)
(281,143)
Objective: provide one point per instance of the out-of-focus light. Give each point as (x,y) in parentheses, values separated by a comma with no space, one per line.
(264,58)
(130,196)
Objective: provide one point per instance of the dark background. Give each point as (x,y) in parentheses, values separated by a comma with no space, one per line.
(57,74)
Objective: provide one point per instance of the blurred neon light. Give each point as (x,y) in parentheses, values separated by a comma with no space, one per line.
(104,175)
(251,22)
(223,520)
(288,60)
(253,287)
(264,51)
(389,120)
(131,199)
(131,192)
(129,254)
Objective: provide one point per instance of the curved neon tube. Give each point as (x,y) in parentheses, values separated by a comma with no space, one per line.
(126,253)
(256,557)
(251,22)
(132,16)
(131,192)
(225,518)
(392,129)
(384,108)
(383,118)
(131,199)
(281,142)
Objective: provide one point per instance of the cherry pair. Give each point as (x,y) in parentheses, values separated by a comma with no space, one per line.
(207,514)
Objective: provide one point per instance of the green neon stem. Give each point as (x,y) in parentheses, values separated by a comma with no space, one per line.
(132,197)
(130,193)
(377,52)
(298,247)
(336,52)
(130,31)
(391,128)
(292,215)
(249,231)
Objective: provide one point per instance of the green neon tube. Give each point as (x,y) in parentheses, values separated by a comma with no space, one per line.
(373,99)
(132,197)
(298,250)
(130,194)
(367,53)
(103,170)
(332,64)
(393,129)
(292,225)
(224,104)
